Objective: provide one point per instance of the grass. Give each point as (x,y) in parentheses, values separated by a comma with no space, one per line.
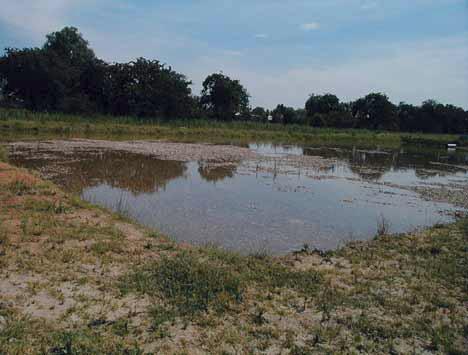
(79,280)
(3,154)
(190,285)
(15,338)
(17,122)
(196,282)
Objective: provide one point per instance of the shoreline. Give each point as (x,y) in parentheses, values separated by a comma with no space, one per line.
(91,279)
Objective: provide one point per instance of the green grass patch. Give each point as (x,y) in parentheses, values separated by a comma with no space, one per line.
(46,206)
(266,272)
(103,247)
(187,284)
(191,283)
(3,154)
(89,343)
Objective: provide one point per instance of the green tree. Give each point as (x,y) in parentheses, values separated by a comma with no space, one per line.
(69,45)
(322,104)
(284,114)
(223,97)
(375,111)
(148,88)
(70,58)
(30,79)
(259,114)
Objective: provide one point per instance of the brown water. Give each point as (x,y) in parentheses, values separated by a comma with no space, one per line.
(256,205)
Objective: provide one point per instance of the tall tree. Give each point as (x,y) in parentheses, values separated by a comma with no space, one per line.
(259,114)
(375,111)
(322,104)
(224,97)
(284,114)
(69,45)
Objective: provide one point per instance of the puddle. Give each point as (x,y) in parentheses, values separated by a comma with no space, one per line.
(267,203)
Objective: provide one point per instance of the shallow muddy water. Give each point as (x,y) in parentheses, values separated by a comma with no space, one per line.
(270,201)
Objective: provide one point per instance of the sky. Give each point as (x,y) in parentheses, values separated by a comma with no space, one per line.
(281,51)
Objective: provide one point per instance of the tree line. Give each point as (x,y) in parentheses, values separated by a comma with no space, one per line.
(64,75)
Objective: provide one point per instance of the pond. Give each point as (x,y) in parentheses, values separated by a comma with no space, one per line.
(265,204)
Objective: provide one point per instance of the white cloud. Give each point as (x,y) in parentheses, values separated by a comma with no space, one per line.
(261,36)
(310,26)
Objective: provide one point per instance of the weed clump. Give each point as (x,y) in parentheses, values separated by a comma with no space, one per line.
(20,188)
(383,226)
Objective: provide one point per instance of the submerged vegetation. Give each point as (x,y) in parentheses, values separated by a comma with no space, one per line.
(76,279)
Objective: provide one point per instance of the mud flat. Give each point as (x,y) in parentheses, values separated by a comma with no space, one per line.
(209,153)
(454,194)
(158,149)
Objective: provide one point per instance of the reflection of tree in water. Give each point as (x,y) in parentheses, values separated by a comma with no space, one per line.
(372,165)
(133,172)
(369,165)
(216,173)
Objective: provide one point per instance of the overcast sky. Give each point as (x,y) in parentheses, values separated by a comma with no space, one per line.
(282,51)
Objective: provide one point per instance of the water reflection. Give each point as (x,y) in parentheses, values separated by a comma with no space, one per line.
(133,172)
(216,173)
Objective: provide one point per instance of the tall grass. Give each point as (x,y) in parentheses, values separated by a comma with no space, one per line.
(201,129)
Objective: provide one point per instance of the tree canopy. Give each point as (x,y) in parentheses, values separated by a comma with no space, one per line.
(224,97)
(65,75)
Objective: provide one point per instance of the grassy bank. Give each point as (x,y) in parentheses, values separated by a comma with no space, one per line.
(76,279)
(15,123)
